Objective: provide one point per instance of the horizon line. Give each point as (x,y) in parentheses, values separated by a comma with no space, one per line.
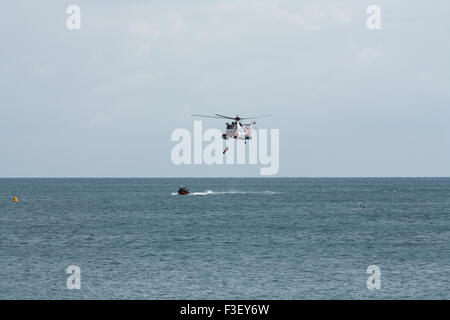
(235,177)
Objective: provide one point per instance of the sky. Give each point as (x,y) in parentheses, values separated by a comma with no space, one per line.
(103,101)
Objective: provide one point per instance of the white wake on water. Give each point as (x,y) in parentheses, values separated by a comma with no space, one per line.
(210,192)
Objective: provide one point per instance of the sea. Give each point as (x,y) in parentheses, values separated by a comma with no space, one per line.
(231,238)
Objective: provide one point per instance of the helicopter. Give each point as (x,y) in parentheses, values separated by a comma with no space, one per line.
(236,129)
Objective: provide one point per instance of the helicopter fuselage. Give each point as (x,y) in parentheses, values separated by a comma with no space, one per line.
(238,130)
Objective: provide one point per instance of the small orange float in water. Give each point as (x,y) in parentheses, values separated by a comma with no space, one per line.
(15,199)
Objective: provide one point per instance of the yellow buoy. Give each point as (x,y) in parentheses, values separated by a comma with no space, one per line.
(15,199)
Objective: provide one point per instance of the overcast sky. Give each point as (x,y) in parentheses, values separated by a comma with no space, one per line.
(103,101)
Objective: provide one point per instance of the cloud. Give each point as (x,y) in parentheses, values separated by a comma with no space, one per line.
(225,7)
(294,18)
(145,28)
(316,15)
(120,86)
(175,23)
(342,15)
(368,55)
(171,24)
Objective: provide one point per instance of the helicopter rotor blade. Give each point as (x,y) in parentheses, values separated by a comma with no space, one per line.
(199,115)
(220,116)
(226,117)
(257,117)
